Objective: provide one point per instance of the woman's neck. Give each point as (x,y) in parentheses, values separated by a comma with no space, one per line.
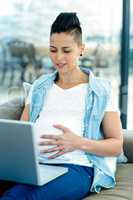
(72,78)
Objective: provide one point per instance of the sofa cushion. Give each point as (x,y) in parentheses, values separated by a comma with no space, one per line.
(128,145)
(123,189)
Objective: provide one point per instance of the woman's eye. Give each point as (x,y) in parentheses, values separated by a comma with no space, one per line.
(52,50)
(67,51)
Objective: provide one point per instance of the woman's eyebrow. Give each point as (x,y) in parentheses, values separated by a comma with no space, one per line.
(52,47)
(64,47)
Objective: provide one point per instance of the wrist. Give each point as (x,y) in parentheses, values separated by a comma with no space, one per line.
(84,144)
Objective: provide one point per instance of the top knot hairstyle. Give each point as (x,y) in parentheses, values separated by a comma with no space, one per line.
(68,22)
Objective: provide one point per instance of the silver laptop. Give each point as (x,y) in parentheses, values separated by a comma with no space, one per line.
(19,155)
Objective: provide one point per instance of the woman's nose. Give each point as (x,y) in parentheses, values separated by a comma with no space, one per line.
(59,56)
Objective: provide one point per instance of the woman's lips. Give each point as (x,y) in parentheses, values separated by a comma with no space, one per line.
(60,65)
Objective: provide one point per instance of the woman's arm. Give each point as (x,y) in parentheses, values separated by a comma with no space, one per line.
(25,114)
(112,144)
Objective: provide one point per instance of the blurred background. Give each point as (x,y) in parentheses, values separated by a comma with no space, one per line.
(24,42)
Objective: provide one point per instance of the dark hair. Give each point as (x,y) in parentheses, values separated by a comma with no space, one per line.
(67,22)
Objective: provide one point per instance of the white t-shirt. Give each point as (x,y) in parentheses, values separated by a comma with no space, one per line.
(65,107)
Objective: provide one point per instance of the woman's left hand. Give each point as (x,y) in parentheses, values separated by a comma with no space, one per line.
(64,143)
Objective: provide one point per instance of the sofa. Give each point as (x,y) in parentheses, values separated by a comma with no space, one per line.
(124,175)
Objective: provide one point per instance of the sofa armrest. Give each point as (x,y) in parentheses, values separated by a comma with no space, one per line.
(128,145)
(12,109)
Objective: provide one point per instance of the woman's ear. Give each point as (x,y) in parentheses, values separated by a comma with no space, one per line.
(82,49)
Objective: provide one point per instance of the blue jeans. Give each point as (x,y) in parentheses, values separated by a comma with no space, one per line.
(74,185)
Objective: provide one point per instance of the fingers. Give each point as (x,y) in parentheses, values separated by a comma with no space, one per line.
(57,148)
(50,142)
(60,153)
(63,128)
(56,137)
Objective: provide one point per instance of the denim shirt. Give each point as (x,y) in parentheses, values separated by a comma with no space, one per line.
(98,93)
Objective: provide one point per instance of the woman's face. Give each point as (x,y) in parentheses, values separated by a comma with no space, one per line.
(64,51)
